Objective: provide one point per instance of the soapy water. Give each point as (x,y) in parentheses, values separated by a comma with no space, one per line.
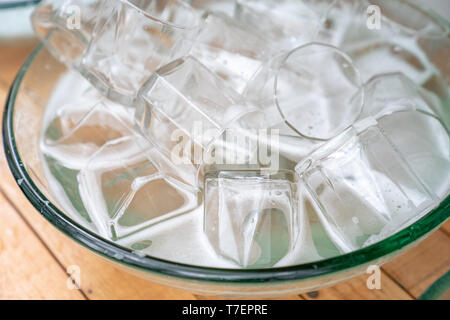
(107,176)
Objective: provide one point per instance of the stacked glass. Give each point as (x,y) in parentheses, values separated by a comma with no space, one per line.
(250,113)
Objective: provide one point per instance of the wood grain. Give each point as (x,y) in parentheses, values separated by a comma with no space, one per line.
(357,289)
(422,265)
(446,227)
(100,280)
(11,59)
(27,269)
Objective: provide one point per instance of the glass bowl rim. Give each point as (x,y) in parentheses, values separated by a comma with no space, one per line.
(17,3)
(125,256)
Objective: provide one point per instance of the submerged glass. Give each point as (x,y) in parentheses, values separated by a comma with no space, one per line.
(228,49)
(287,23)
(251,217)
(132,39)
(122,190)
(186,111)
(315,89)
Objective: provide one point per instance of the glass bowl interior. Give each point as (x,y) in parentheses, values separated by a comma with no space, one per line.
(15,16)
(22,124)
(6,4)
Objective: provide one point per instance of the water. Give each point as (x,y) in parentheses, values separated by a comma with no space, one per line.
(252,218)
(179,239)
(126,192)
(362,187)
(385,161)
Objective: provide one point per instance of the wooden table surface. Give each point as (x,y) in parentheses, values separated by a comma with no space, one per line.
(34,256)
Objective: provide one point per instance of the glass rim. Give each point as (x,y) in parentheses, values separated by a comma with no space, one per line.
(157,266)
(9,4)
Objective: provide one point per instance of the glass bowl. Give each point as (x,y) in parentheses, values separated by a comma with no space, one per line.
(22,123)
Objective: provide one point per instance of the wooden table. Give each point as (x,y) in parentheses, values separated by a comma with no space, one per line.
(34,256)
